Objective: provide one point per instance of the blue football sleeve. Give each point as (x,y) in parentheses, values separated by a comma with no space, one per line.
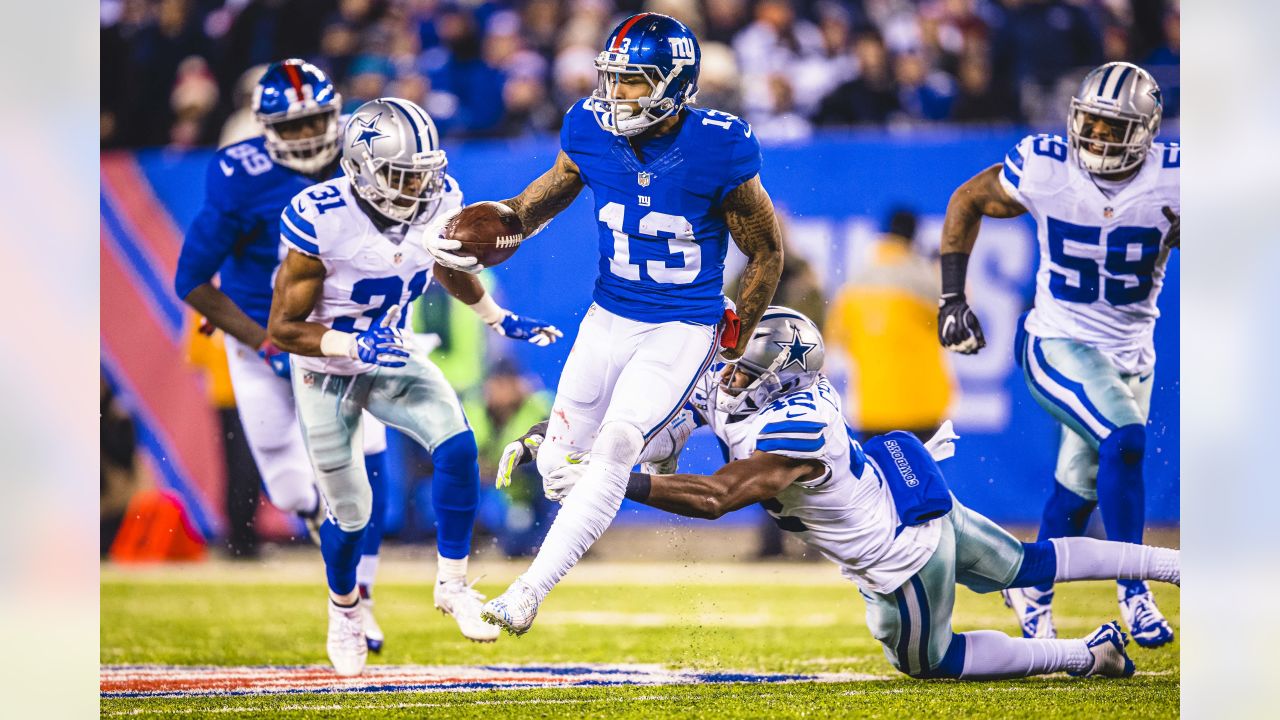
(212,234)
(744,161)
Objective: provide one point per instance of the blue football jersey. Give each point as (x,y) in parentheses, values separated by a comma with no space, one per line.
(662,231)
(237,232)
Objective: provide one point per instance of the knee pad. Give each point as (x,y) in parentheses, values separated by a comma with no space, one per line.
(1128,444)
(457,453)
(618,442)
(352,509)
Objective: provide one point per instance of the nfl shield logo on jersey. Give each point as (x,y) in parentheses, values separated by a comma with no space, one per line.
(1108,212)
(397,258)
(643,179)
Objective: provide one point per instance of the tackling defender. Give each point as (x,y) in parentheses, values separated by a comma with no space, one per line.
(1106,208)
(670,183)
(236,236)
(882,512)
(354,262)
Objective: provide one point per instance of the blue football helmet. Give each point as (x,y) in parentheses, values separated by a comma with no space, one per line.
(288,92)
(662,51)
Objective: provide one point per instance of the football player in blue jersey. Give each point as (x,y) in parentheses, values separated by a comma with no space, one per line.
(670,183)
(236,236)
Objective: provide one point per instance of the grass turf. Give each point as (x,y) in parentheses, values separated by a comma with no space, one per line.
(799,618)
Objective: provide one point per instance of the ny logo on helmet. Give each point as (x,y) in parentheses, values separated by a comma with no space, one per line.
(682,47)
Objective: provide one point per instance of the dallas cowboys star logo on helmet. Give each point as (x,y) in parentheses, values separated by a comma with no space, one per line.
(369,132)
(797,350)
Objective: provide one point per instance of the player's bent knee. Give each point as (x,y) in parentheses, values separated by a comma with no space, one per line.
(1128,444)
(619,441)
(1039,565)
(291,490)
(457,453)
(351,510)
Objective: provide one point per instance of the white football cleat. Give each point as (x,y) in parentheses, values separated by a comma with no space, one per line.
(513,610)
(1034,611)
(372,632)
(1146,623)
(462,601)
(1106,645)
(348,649)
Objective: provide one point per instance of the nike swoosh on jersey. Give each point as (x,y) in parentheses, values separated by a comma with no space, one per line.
(226,169)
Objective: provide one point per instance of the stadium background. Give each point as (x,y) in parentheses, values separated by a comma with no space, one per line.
(962,81)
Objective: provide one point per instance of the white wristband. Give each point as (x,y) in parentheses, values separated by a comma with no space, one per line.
(488,310)
(335,343)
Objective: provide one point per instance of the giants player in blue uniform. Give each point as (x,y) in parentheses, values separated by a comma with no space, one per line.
(236,236)
(670,182)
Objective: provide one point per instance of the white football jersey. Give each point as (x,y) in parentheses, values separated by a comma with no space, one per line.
(1102,259)
(367,271)
(847,514)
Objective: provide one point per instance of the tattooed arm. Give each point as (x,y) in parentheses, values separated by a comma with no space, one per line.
(982,195)
(749,213)
(545,197)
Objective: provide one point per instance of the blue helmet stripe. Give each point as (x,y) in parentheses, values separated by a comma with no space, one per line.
(1102,86)
(417,134)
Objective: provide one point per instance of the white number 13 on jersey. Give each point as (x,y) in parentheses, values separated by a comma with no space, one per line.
(653,224)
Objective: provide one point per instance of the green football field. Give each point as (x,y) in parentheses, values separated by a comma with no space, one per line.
(798,617)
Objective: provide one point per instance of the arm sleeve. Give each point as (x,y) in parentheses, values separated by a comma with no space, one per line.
(1015,165)
(803,439)
(297,231)
(744,161)
(212,234)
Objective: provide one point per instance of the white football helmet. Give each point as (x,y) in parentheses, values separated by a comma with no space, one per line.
(1128,97)
(391,152)
(785,353)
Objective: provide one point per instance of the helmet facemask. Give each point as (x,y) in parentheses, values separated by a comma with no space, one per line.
(403,193)
(765,385)
(624,117)
(1107,157)
(307,155)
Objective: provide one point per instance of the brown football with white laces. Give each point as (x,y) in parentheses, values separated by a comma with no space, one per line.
(489,231)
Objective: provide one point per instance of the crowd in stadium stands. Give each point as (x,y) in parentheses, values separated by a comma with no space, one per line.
(174,71)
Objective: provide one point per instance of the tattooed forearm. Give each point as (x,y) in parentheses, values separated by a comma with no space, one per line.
(749,213)
(980,196)
(545,197)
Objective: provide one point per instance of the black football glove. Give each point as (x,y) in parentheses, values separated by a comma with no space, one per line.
(1171,239)
(958,328)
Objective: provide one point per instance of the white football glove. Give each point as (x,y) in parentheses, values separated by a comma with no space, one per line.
(560,482)
(441,247)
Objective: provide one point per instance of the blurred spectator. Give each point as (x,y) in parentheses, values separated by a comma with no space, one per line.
(923,95)
(508,407)
(118,468)
(869,98)
(884,321)
(242,124)
(1041,51)
(497,68)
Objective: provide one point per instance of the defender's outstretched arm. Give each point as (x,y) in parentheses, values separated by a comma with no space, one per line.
(548,195)
(748,211)
(734,486)
(982,195)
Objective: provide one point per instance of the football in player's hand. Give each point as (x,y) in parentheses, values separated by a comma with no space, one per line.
(489,231)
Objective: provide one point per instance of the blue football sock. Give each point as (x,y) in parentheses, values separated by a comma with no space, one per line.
(376,467)
(341,551)
(1121,499)
(1066,514)
(455,494)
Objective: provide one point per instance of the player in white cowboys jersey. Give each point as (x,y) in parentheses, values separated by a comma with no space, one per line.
(881,511)
(1106,207)
(355,261)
